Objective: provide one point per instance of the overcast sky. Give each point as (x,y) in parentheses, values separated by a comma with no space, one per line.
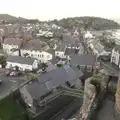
(56,9)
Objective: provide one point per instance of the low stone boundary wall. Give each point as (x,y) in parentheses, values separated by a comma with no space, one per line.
(95,89)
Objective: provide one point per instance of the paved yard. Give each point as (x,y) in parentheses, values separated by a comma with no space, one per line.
(10,84)
(106,113)
(107,110)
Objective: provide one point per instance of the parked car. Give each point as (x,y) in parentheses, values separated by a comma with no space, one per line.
(1,81)
(15,73)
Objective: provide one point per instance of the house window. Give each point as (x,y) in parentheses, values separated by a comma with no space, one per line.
(57,53)
(89,68)
(78,66)
(42,56)
(82,67)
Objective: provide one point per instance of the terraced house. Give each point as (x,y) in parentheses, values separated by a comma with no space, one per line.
(36,49)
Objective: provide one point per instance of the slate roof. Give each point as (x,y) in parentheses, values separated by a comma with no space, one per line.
(33,45)
(117,48)
(98,47)
(47,81)
(55,60)
(37,89)
(70,51)
(13,41)
(84,59)
(19,59)
(59,76)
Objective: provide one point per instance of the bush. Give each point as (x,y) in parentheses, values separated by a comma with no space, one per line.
(3,61)
(59,65)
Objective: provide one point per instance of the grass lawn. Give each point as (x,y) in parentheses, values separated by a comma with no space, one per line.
(11,110)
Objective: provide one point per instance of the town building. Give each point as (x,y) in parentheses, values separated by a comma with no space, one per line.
(36,49)
(97,48)
(48,87)
(10,44)
(60,51)
(115,56)
(24,64)
(84,62)
(88,35)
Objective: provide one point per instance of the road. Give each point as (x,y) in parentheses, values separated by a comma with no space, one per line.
(109,68)
(10,84)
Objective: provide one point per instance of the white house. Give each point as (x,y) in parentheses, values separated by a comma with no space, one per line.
(14,52)
(22,63)
(36,49)
(88,35)
(115,56)
(45,33)
(60,54)
(11,43)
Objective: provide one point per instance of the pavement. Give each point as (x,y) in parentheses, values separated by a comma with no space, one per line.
(107,110)
(10,84)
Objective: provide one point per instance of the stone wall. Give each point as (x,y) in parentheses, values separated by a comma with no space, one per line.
(117,104)
(95,88)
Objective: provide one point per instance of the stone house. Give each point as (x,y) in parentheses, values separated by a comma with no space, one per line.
(46,86)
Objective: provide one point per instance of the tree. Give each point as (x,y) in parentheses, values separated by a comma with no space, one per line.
(3,61)
(44,66)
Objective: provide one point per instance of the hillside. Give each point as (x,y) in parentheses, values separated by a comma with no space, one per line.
(87,22)
(10,18)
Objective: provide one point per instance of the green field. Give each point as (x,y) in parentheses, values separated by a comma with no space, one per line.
(10,109)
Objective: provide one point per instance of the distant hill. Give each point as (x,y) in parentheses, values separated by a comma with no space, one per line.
(117,20)
(88,22)
(10,18)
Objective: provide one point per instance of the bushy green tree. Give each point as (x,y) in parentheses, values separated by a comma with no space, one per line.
(3,61)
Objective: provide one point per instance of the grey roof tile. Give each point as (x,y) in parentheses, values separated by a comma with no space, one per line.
(22,60)
(47,81)
(37,89)
(84,59)
(33,45)
(13,41)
